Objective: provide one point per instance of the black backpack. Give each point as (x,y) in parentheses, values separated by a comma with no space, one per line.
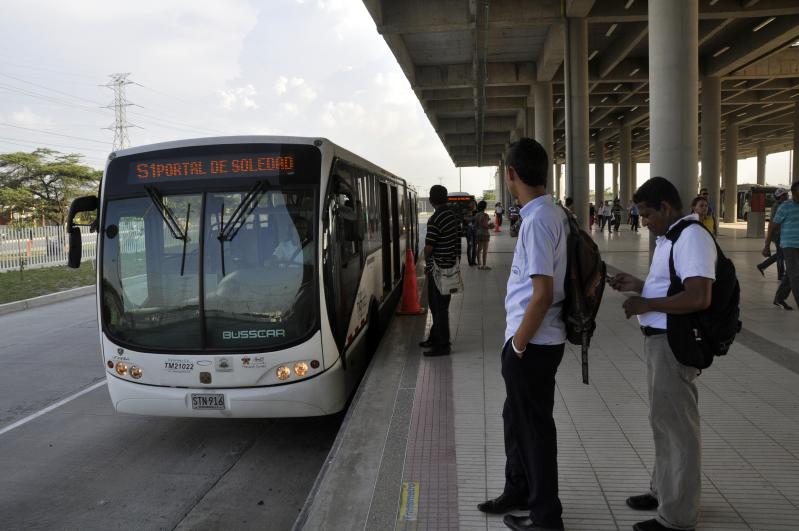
(584,286)
(697,338)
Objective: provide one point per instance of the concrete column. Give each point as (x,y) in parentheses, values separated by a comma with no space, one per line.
(615,187)
(577,125)
(542,94)
(795,167)
(674,92)
(731,172)
(599,173)
(625,165)
(529,124)
(558,177)
(633,180)
(761,163)
(711,140)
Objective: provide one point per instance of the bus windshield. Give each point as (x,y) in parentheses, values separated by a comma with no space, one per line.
(217,269)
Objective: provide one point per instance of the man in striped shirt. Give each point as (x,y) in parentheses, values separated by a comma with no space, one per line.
(442,246)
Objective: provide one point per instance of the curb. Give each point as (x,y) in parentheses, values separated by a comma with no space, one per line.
(43,300)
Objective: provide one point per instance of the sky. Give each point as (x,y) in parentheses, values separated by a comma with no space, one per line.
(200,68)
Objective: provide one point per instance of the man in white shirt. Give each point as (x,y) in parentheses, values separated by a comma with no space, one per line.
(535,335)
(673,398)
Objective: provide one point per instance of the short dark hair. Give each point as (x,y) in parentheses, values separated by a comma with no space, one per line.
(481,206)
(703,190)
(530,160)
(697,199)
(656,190)
(569,201)
(438,195)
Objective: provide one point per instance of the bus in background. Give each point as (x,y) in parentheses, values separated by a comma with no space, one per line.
(744,200)
(458,202)
(244,276)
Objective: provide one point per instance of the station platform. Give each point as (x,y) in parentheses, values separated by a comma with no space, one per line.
(422,444)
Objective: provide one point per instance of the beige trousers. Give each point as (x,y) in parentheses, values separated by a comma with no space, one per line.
(674,418)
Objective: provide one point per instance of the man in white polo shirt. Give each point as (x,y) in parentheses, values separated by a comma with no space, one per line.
(673,398)
(534,342)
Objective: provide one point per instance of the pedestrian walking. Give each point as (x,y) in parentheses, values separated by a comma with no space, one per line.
(780,196)
(534,343)
(787,219)
(471,233)
(673,398)
(483,227)
(710,211)
(604,216)
(442,248)
(499,210)
(615,213)
(591,216)
(634,217)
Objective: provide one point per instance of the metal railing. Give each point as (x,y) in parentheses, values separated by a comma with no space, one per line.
(36,247)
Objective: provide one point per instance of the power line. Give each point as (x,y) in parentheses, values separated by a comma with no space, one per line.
(50,89)
(22,141)
(51,133)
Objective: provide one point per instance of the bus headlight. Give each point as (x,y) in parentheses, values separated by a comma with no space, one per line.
(283,373)
(122,368)
(300,368)
(136,372)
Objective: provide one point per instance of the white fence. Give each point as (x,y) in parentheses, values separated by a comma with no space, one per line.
(40,247)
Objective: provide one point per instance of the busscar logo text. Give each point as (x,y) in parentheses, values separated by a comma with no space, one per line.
(253,334)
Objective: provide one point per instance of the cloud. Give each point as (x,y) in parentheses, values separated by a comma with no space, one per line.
(28,118)
(238,97)
(295,87)
(394,89)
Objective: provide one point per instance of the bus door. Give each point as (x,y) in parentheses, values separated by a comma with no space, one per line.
(385,229)
(395,232)
(342,260)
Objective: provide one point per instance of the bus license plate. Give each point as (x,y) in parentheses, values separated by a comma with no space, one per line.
(207,401)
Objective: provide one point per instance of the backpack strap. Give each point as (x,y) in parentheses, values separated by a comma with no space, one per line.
(673,235)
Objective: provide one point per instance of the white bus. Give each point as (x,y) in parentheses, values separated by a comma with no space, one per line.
(244,276)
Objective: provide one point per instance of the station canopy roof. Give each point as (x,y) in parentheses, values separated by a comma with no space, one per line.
(472,63)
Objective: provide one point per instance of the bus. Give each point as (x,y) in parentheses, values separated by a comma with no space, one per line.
(243,276)
(744,199)
(459,203)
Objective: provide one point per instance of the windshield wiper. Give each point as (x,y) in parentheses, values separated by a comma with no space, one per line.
(166,214)
(245,208)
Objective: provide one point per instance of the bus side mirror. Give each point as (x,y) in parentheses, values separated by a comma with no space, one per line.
(87,203)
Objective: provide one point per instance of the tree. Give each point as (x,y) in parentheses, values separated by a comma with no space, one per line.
(43,183)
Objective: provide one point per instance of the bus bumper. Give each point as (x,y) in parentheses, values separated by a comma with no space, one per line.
(324,394)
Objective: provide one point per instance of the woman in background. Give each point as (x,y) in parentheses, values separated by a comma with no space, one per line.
(483,225)
(699,206)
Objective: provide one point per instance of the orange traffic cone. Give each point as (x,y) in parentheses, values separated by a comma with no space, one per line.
(496,225)
(410,294)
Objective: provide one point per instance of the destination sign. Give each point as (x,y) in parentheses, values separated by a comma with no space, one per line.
(209,167)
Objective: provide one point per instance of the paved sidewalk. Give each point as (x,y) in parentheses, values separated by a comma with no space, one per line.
(423,445)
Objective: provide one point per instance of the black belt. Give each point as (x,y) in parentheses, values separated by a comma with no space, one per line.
(649,331)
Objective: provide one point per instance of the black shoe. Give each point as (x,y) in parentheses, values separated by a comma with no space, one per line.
(642,502)
(426,343)
(500,505)
(436,352)
(782,304)
(761,269)
(524,523)
(652,525)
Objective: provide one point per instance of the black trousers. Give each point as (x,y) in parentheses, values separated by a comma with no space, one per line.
(439,308)
(531,445)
